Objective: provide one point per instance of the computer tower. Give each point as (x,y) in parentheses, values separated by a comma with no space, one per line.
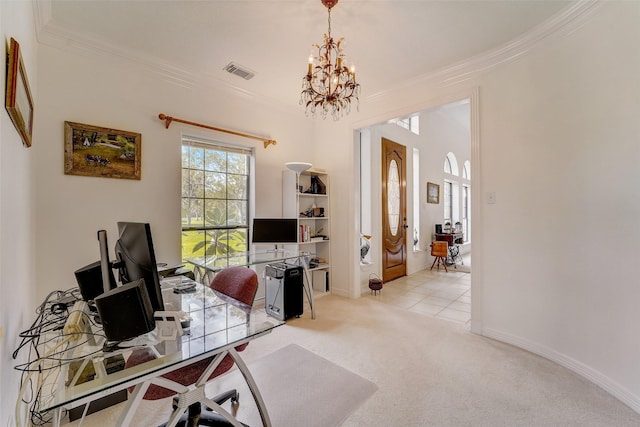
(284,289)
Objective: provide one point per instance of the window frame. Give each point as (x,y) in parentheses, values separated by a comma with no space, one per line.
(447,200)
(248,198)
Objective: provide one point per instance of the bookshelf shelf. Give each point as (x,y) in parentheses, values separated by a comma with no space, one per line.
(312,210)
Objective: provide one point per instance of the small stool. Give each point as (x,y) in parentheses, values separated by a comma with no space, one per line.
(375,283)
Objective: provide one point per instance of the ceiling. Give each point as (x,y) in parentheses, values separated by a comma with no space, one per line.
(388,41)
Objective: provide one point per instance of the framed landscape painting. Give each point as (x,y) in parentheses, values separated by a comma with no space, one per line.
(102,152)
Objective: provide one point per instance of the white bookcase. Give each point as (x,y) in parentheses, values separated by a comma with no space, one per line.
(312,210)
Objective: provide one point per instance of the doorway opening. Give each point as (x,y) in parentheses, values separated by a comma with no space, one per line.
(438,142)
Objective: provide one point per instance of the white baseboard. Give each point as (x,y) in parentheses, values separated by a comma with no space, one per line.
(596,377)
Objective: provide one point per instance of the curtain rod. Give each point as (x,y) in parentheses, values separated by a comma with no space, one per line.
(169,119)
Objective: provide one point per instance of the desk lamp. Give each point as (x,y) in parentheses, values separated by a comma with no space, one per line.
(298,168)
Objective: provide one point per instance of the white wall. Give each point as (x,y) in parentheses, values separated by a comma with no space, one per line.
(105,91)
(442,132)
(553,258)
(17,217)
(560,148)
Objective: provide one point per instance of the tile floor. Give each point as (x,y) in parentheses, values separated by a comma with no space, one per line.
(434,293)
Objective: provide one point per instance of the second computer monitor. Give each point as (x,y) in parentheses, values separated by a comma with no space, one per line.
(275,230)
(137,260)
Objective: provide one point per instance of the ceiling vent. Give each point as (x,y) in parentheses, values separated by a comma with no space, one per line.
(239,71)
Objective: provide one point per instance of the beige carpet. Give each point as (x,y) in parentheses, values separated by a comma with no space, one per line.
(300,388)
(429,372)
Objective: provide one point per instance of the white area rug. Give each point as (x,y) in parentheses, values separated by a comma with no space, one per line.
(299,388)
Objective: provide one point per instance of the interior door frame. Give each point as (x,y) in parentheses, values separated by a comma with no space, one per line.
(477,277)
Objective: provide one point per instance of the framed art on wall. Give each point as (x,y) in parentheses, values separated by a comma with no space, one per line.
(103,152)
(18,100)
(433,193)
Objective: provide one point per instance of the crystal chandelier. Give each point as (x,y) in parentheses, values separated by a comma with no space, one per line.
(329,85)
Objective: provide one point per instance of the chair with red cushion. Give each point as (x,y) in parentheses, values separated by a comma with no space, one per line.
(240,284)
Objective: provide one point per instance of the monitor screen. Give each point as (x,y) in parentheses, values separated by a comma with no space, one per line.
(137,259)
(275,230)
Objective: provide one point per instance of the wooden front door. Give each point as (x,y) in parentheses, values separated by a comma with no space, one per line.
(394,216)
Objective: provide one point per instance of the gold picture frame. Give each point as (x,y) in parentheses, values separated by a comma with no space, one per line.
(433,193)
(101,152)
(18,100)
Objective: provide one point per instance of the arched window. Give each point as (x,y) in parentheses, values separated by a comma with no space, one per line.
(451,164)
(466,170)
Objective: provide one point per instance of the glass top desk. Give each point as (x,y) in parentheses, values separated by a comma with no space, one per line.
(206,268)
(218,324)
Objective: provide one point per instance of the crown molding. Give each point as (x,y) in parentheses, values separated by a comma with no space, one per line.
(42,14)
(558,26)
(51,34)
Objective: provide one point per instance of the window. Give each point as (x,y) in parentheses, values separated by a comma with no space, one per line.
(409,123)
(451,164)
(457,194)
(465,211)
(215,198)
(416,199)
(447,165)
(451,189)
(466,170)
(366,228)
(448,201)
(466,202)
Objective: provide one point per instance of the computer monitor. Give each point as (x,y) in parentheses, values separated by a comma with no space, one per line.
(274,230)
(136,259)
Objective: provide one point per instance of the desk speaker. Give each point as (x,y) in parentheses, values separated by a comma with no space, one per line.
(89,280)
(126,311)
